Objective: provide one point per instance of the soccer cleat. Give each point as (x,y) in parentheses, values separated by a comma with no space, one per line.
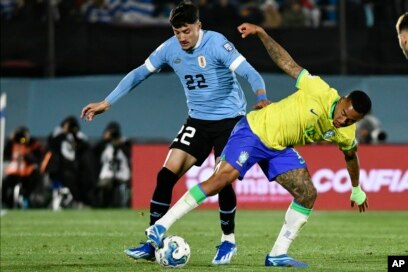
(155,234)
(224,254)
(145,251)
(283,261)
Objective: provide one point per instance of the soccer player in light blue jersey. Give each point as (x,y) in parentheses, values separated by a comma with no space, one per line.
(206,64)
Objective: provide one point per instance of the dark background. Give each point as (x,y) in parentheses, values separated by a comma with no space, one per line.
(88,49)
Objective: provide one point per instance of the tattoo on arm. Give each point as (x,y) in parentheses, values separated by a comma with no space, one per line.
(353,166)
(280,56)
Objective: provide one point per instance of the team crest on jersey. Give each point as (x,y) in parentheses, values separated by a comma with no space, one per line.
(243,157)
(177,61)
(328,134)
(202,62)
(228,46)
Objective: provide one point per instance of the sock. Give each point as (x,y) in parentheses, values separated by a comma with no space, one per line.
(161,199)
(295,218)
(227,201)
(228,237)
(190,200)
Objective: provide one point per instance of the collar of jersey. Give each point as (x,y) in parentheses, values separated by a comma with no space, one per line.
(333,106)
(200,38)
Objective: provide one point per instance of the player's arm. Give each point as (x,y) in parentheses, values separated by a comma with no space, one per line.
(277,53)
(358,196)
(130,81)
(256,81)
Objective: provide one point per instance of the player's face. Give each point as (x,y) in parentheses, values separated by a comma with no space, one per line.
(344,114)
(403,42)
(188,35)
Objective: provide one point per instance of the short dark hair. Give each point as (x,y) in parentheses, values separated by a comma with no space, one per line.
(361,101)
(184,13)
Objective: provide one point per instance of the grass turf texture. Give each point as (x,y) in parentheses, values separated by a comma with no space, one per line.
(94,240)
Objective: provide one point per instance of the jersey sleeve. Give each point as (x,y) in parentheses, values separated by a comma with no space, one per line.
(226,53)
(158,58)
(347,140)
(130,81)
(254,79)
(311,84)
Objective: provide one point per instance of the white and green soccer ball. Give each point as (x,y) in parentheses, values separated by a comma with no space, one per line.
(175,252)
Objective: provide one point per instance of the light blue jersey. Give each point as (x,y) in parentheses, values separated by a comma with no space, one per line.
(207,74)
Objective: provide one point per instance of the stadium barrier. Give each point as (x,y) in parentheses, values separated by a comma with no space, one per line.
(383,176)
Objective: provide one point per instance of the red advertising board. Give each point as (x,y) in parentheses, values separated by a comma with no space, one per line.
(383,176)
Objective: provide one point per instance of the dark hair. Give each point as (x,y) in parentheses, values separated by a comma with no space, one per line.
(114,128)
(184,13)
(72,122)
(20,135)
(361,102)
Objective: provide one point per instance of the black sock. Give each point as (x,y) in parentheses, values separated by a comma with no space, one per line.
(228,202)
(161,199)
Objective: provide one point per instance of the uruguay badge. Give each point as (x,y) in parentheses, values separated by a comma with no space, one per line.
(202,62)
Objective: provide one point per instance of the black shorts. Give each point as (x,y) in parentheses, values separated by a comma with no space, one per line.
(198,137)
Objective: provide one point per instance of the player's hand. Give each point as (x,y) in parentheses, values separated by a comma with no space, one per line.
(247,29)
(358,197)
(91,110)
(261,104)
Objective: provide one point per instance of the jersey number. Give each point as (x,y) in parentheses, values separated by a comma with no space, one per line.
(199,81)
(187,134)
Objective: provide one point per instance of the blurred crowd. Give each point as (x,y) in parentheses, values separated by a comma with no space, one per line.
(268,13)
(66,170)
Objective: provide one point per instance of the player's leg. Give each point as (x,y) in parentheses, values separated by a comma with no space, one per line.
(227,200)
(176,164)
(183,154)
(236,159)
(224,175)
(298,183)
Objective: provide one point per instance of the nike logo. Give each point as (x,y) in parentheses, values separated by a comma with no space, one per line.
(312,111)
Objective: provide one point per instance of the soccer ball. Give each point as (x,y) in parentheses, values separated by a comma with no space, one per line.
(175,252)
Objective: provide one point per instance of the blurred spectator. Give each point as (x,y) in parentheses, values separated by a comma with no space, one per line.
(312,12)
(225,13)
(8,8)
(126,11)
(402,31)
(292,14)
(250,11)
(271,14)
(112,155)
(162,8)
(70,165)
(329,10)
(22,156)
(369,131)
(206,16)
(99,11)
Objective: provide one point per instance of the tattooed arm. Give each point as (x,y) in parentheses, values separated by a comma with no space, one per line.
(358,197)
(277,53)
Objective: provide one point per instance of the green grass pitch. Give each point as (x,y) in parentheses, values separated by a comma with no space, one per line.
(94,240)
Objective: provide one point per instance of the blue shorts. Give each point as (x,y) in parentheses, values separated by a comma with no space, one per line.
(244,149)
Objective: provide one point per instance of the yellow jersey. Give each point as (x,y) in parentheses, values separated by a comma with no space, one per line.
(304,117)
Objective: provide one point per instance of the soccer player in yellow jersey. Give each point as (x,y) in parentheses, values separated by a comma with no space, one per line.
(314,113)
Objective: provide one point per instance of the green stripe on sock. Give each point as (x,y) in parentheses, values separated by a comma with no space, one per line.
(197,194)
(299,208)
